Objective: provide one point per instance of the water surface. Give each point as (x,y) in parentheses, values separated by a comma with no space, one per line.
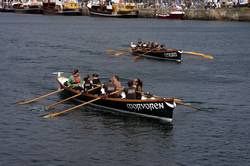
(32,47)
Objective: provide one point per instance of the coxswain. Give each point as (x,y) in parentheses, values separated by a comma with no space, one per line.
(74,81)
(130,91)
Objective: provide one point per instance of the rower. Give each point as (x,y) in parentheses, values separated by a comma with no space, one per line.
(118,86)
(130,91)
(95,79)
(162,46)
(87,83)
(137,84)
(139,44)
(109,87)
(116,81)
(96,83)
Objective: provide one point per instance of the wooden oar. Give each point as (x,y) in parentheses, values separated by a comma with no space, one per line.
(138,56)
(199,54)
(110,51)
(38,98)
(59,102)
(123,52)
(180,102)
(117,53)
(51,115)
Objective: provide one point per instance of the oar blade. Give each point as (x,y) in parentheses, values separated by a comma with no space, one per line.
(199,54)
(109,51)
(136,58)
(50,115)
(117,53)
(22,102)
(47,116)
(38,98)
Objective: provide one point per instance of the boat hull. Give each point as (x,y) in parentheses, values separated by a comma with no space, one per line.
(177,15)
(53,9)
(64,13)
(97,13)
(161,109)
(29,11)
(7,10)
(170,55)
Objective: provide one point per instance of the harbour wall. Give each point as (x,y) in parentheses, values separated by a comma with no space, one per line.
(147,13)
(229,14)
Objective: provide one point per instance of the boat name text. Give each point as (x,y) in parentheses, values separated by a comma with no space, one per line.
(148,106)
(170,54)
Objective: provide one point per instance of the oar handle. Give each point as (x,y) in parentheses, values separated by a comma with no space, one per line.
(97,86)
(59,102)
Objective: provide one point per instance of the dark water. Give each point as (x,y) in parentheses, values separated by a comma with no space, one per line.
(32,47)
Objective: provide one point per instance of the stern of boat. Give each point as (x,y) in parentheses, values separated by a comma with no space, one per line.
(61,79)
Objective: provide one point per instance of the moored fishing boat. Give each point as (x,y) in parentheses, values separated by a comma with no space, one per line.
(55,7)
(151,107)
(156,51)
(9,6)
(30,7)
(178,15)
(175,12)
(112,9)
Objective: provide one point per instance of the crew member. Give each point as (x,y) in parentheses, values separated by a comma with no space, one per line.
(87,84)
(137,84)
(109,87)
(96,83)
(130,91)
(116,81)
(95,79)
(118,86)
(74,81)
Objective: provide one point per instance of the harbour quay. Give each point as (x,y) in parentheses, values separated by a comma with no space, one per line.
(230,14)
(200,11)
